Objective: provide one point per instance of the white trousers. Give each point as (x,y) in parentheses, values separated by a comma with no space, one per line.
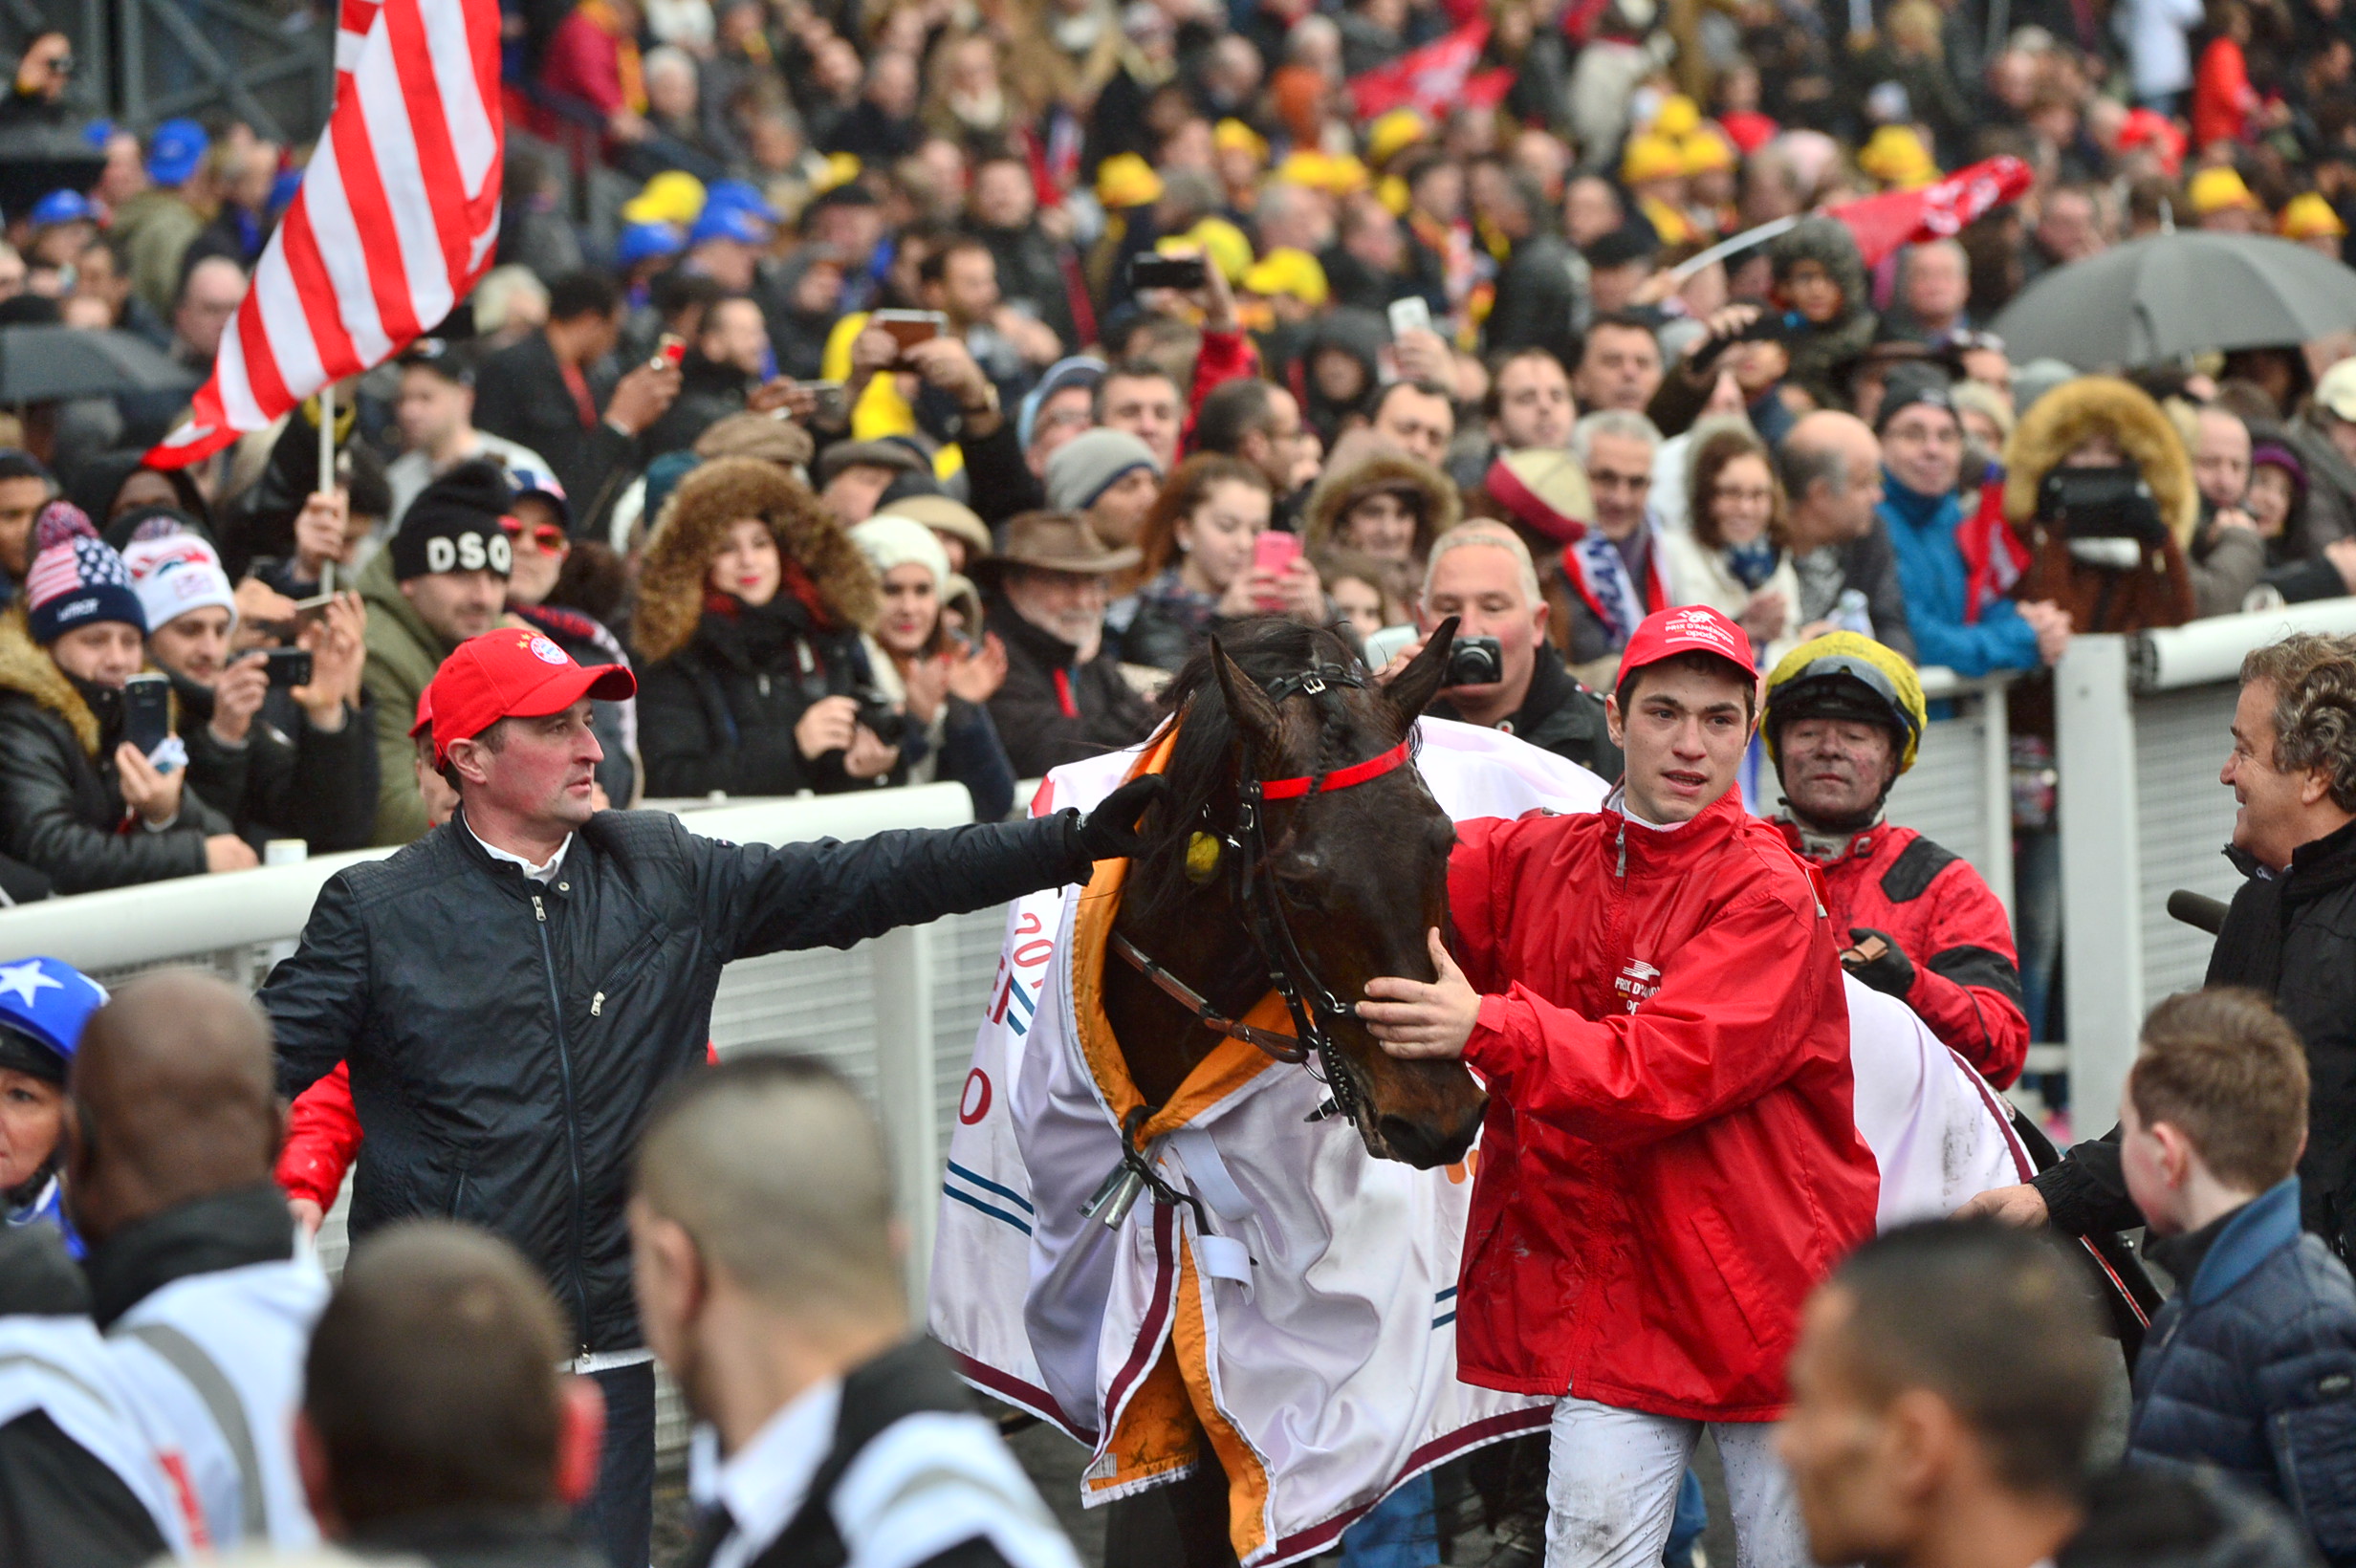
(1611,1489)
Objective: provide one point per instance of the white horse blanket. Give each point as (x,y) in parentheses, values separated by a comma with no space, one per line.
(1308,1335)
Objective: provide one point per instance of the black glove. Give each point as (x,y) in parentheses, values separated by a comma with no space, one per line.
(1879,962)
(1109,833)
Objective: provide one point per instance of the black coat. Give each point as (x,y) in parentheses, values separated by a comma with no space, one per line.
(2291,936)
(520,394)
(61,808)
(505,1037)
(290,779)
(1046,722)
(719,714)
(709,390)
(1535,300)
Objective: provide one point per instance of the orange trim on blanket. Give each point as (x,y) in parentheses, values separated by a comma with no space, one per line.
(1247,1478)
(1162,1427)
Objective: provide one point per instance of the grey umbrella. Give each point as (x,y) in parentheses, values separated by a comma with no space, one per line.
(2155,298)
(38,363)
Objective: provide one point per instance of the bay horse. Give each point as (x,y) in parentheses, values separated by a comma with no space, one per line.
(1298,851)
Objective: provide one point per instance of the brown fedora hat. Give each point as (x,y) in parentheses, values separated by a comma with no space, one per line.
(1056,541)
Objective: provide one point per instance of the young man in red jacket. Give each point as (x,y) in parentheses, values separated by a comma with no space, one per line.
(1670,1160)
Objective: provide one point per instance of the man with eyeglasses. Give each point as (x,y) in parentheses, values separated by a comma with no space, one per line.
(435,410)
(1617,569)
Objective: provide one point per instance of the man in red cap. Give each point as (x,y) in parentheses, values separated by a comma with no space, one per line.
(512,991)
(1670,1160)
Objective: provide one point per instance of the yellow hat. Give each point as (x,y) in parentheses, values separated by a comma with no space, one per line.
(841,169)
(1234,135)
(1706,149)
(1679,116)
(670,197)
(2218,189)
(1219,240)
(2310,217)
(1650,157)
(1393,133)
(1285,271)
(1897,157)
(1337,176)
(1392,192)
(1126,180)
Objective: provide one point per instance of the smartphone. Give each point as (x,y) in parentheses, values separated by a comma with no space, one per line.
(909,328)
(309,611)
(668,350)
(828,396)
(1184,274)
(1410,315)
(288,666)
(146,711)
(1273,552)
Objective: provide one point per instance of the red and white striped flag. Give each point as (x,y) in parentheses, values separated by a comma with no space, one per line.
(394,223)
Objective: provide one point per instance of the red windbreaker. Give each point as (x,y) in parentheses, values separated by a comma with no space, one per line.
(1967,973)
(1670,1158)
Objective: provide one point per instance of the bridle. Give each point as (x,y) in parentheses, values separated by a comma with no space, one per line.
(1244,846)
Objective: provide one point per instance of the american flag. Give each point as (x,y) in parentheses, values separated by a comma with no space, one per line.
(394,223)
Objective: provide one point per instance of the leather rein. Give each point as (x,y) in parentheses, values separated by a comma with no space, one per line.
(1311,1002)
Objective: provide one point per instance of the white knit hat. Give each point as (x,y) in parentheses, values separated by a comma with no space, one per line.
(175,574)
(888,541)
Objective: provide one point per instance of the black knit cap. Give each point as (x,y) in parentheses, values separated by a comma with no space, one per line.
(454,525)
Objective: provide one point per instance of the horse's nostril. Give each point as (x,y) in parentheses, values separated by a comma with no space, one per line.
(1415,1144)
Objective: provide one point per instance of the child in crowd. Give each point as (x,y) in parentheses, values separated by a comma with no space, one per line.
(2251,1366)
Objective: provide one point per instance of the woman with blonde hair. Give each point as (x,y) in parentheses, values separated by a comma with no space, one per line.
(1200,569)
(754,677)
(1732,558)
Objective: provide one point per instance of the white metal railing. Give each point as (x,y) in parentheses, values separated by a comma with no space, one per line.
(2140,736)
(875,1011)
(1959,793)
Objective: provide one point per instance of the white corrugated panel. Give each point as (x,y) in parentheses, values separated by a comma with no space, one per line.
(2186,816)
(1940,798)
(964,960)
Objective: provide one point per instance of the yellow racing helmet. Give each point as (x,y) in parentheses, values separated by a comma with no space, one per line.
(1841,675)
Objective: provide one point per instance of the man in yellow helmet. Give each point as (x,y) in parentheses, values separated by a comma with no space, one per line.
(1843,718)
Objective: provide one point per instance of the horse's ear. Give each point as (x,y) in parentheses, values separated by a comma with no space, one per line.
(1413,689)
(1253,713)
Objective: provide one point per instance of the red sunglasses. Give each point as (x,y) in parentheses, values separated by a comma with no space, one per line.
(551,540)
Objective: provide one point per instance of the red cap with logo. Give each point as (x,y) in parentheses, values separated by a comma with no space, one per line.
(1695,628)
(512,673)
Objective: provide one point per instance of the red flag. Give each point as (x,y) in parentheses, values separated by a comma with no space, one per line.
(1939,211)
(1435,78)
(393,225)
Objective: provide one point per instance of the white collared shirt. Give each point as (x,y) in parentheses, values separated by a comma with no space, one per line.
(543,872)
(764,1484)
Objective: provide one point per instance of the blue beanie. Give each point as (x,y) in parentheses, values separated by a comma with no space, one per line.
(75,579)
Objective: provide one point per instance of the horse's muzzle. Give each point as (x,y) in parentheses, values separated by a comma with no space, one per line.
(1424,1146)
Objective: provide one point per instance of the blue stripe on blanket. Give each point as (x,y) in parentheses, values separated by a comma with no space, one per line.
(988,1185)
(995,1212)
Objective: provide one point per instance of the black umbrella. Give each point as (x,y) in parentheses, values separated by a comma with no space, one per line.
(35,160)
(39,364)
(2183,293)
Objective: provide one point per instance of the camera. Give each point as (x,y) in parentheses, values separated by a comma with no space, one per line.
(1476,660)
(888,724)
(2107,503)
(1181,272)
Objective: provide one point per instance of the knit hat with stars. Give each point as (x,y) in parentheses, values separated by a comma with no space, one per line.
(75,579)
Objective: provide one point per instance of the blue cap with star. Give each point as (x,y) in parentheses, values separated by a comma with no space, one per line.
(44,1003)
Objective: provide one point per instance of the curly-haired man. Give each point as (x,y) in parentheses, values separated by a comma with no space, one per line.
(2290,934)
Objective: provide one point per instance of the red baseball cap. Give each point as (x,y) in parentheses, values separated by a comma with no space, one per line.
(511,673)
(425,712)
(1695,628)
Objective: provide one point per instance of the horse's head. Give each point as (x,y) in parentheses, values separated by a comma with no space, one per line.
(1342,877)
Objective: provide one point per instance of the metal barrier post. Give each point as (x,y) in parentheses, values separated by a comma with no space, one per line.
(903,1086)
(2101,871)
(1995,758)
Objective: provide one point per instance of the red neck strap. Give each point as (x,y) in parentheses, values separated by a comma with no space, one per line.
(1340,779)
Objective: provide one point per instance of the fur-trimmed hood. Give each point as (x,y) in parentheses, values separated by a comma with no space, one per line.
(1440,507)
(26,668)
(695,520)
(2089,405)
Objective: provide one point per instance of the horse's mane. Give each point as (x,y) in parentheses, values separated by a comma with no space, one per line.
(1200,772)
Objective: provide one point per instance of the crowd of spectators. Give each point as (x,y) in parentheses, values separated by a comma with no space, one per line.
(818,379)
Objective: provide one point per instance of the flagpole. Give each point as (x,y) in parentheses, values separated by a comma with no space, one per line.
(1726,248)
(327,469)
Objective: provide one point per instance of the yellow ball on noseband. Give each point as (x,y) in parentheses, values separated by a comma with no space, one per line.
(1202,858)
